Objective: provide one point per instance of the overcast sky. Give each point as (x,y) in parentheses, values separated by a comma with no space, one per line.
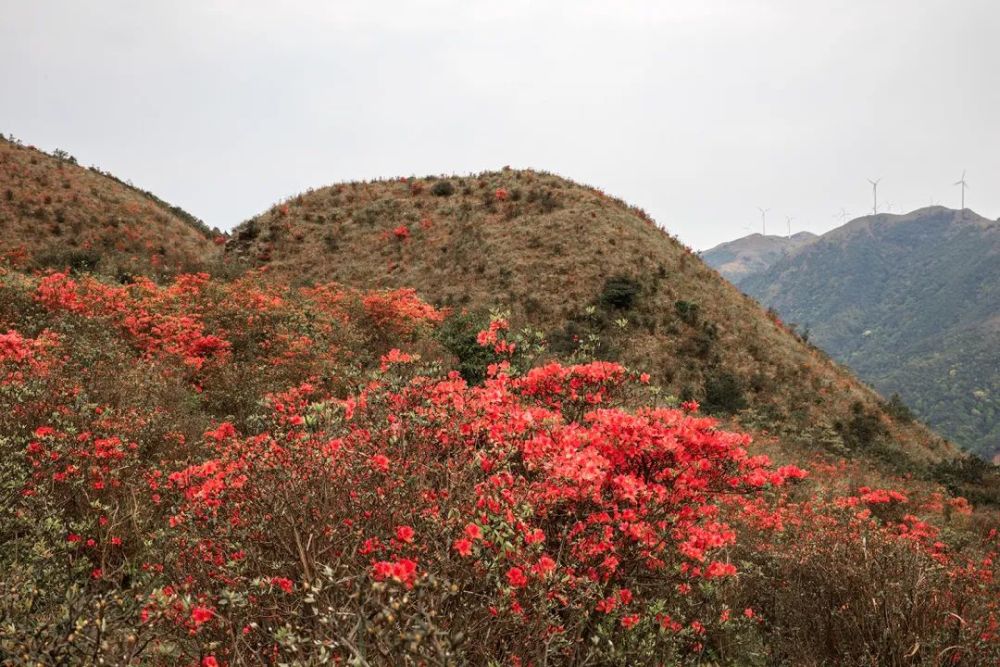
(697,111)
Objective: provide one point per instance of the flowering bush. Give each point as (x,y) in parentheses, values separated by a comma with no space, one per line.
(522,517)
(230,473)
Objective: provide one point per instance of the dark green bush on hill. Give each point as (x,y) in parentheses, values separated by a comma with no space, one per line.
(724,393)
(971,477)
(863,429)
(458,336)
(898,410)
(687,311)
(620,292)
(443,189)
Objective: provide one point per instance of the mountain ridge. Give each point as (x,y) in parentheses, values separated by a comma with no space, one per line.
(909,301)
(751,254)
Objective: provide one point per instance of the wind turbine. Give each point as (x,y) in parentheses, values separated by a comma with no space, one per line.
(763,219)
(874,194)
(964,185)
(843,214)
(788,221)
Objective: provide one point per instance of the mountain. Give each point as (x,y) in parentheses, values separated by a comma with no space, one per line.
(55,213)
(582,267)
(736,260)
(266,466)
(912,304)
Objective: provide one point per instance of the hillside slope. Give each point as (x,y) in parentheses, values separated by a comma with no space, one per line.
(54,213)
(572,261)
(912,303)
(747,256)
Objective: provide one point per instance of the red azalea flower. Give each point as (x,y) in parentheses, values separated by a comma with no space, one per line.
(516,578)
(473,532)
(201,615)
(630,620)
(380,462)
(463,546)
(282,583)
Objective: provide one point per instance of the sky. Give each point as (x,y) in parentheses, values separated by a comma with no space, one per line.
(699,111)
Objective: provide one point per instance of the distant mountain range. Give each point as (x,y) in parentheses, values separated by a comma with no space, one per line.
(910,302)
(753,254)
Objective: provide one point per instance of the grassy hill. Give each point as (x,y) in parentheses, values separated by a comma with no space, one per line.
(911,303)
(582,266)
(736,260)
(55,213)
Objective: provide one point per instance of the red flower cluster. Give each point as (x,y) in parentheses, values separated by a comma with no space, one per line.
(326,472)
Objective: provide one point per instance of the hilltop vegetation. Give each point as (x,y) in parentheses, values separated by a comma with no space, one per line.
(55,213)
(910,302)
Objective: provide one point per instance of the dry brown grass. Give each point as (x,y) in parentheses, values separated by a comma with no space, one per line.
(54,213)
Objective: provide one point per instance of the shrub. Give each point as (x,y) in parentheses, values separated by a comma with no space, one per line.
(75,260)
(871,621)
(544,200)
(619,292)
(248,231)
(724,393)
(898,410)
(458,336)
(443,189)
(862,429)
(687,311)
(247,472)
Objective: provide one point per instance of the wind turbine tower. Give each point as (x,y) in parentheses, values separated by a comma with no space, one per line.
(874,194)
(763,219)
(788,221)
(964,185)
